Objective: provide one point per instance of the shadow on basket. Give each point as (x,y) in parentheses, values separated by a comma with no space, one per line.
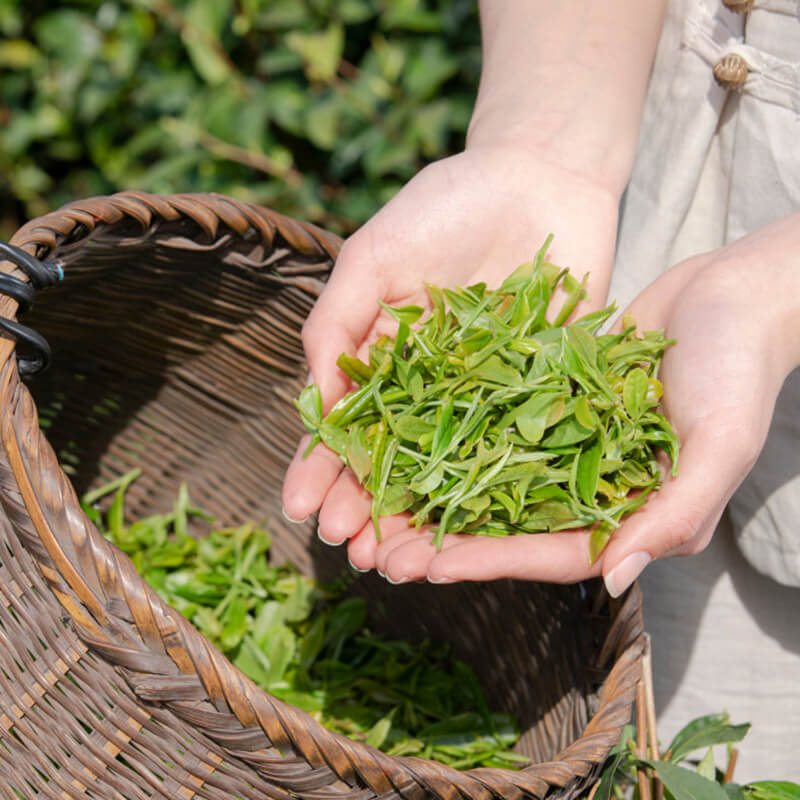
(176,349)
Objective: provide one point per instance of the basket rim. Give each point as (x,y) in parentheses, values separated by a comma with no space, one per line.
(100,600)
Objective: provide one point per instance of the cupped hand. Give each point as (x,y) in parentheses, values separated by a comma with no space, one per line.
(468,218)
(733,314)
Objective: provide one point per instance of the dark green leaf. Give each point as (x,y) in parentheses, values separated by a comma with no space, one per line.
(683,784)
(704,732)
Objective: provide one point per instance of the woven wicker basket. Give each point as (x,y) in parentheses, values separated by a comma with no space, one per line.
(176,349)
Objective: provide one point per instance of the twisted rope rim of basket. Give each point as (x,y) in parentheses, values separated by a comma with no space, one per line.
(164,657)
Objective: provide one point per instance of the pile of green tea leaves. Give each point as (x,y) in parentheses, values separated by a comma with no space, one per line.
(488,418)
(308,644)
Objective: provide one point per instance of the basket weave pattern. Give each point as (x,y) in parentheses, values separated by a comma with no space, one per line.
(176,339)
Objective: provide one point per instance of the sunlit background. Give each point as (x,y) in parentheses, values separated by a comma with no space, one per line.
(321,109)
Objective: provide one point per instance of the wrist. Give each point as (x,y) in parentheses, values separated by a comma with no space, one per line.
(604,161)
(762,270)
(567,80)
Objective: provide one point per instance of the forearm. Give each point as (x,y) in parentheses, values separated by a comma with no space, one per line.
(567,78)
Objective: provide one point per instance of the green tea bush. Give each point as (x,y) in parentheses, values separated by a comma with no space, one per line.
(320,109)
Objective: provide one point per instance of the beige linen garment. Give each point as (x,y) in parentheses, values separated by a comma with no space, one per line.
(712,165)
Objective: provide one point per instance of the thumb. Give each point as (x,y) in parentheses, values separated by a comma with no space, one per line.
(340,321)
(680,518)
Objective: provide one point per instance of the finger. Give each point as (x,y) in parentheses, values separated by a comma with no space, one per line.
(362,547)
(407,556)
(679,519)
(340,320)
(308,480)
(345,510)
(553,557)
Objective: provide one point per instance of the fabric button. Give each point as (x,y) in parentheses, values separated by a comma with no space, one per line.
(738,6)
(731,71)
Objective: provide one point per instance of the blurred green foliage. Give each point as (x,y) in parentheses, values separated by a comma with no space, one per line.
(321,109)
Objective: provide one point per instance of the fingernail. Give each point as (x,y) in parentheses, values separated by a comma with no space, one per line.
(382,574)
(353,566)
(309,379)
(397,582)
(441,580)
(323,539)
(626,572)
(292,519)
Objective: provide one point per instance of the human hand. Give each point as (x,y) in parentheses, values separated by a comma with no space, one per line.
(733,313)
(469,218)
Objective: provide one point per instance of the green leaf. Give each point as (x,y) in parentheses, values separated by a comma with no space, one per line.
(396,499)
(704,732)
(598,539)
(408,314)
(589,471)
(429,481)
(412,428)
(18,54)
(279,648)
(540,411)
(706,767)
(495,370)
(335,438)
(772,790)
(299,603)
(321,51)
(683,784)
(70,36)
(357,454)
(585,414)
(345,621)
(355,369)
(583,343)
(201,35)
(379,732)
(566,433)
(309,404)
(634,392)
(234,624)
(310,644)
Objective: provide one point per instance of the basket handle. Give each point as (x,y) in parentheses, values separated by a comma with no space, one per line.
(41,274)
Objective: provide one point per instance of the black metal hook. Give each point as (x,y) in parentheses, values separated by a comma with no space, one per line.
(41,275)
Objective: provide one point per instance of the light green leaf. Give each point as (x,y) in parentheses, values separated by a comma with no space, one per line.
(396,499)
(429,482)
(634,392)
(309,404)
(379,732)
(357,455)
(772,790)
(408,314)
(321,51)
(18,54)
(334,438)
(706,767)
(598,539)
(412,428)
